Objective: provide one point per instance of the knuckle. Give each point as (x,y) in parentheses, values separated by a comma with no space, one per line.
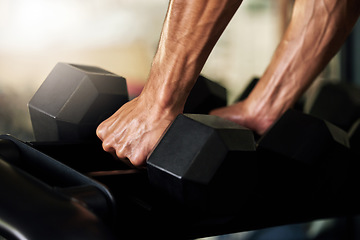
(125,154)
(100,132)
(137,160)
(121,153)
(107,146)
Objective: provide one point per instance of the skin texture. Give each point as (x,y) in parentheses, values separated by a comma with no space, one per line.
(316,32)
(132,132)
(191,29)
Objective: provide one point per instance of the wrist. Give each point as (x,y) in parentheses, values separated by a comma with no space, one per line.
(170,81)
(257,116)
(267,103)
(162,98)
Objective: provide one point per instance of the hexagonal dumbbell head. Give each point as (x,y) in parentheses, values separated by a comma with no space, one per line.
(338,103)
(205,96)
(73,100)
(305,138)
(201,158)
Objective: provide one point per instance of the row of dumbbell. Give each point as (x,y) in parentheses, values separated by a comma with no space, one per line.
(200,157)
(207,163)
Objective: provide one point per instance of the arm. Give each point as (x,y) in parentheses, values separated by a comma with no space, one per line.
(316,32)
(190,31)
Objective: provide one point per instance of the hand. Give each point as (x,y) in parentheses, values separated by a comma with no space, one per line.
(241,114)
(132,132)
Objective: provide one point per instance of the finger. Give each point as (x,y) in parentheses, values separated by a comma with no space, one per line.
(100,131)
(108,145)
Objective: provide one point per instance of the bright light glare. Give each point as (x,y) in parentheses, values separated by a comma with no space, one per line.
(41,24)
(37,24)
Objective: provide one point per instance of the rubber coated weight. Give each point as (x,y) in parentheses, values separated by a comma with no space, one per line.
(307,158)
(338,103)
(73,100)
(205,96)
(199,160)
(305,138)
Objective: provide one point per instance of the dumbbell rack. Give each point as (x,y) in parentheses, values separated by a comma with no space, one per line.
(64,186)
(127,207)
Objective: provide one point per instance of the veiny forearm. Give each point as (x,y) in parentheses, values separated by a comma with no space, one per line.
(316,32)
(190,31)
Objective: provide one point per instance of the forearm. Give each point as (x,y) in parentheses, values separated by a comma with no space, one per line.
(190,31)
(316,32)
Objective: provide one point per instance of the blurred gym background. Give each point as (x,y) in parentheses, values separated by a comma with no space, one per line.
(121,36)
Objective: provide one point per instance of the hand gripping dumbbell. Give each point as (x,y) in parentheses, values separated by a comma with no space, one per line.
(196,161)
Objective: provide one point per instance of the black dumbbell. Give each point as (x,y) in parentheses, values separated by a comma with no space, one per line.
(300,161)
(205,96)
(73,100)
(306,160)
(305,138)
(338,103)
(201,158)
